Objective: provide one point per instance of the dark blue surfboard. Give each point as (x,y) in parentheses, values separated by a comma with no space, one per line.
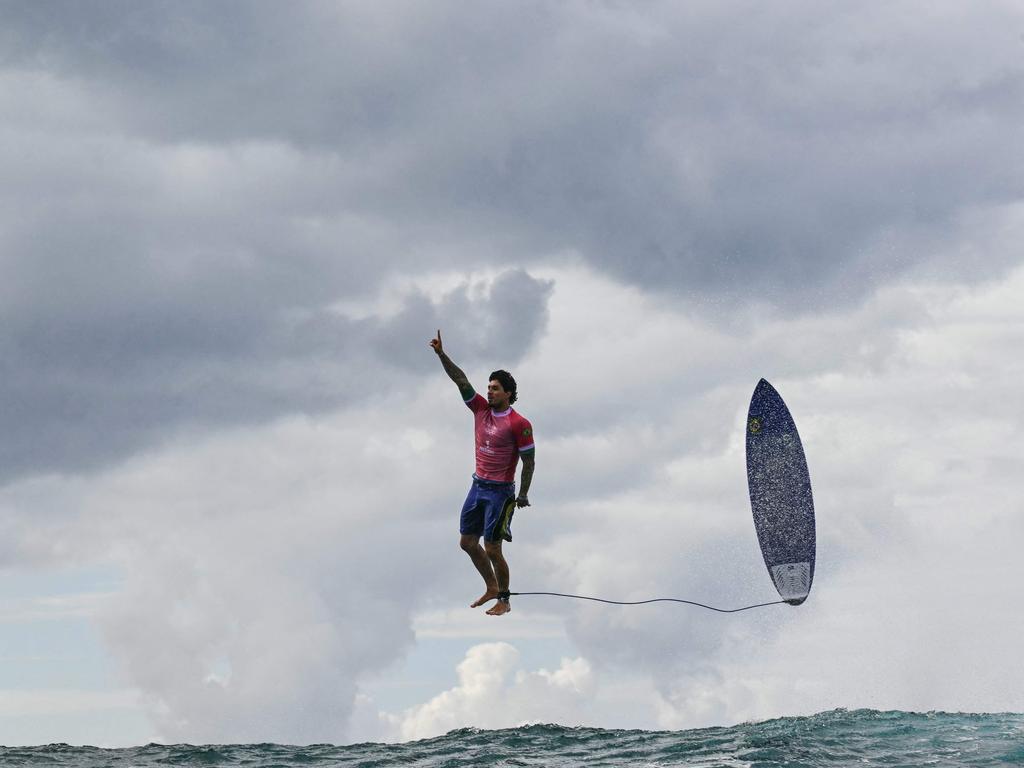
(780,494)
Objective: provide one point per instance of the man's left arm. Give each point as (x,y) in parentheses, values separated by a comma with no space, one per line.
(526,477)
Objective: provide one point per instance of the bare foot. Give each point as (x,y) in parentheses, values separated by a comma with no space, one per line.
(486,597)
(501,607)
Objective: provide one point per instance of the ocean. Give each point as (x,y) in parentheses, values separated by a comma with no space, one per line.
(837,738)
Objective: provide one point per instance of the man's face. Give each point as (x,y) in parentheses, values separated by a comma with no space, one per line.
(497,397)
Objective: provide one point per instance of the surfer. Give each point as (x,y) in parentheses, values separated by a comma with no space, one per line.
(502,436)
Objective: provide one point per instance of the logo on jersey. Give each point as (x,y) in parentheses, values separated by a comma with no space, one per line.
(527,432)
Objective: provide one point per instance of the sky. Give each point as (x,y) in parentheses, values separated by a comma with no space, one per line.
(231,466)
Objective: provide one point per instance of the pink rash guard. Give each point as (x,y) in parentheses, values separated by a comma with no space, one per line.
(500,438)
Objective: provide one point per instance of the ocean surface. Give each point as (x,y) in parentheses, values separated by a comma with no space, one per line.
(837,738)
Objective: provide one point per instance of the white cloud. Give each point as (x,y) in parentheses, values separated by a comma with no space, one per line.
(453,623)
(493,693)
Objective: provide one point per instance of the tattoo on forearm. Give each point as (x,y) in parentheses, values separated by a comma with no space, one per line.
(526,478)
(454,372)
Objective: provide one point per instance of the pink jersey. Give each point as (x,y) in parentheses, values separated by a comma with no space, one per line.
(500,438)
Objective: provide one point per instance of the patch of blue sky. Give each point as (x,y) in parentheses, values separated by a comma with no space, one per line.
(103,726)
(57,680)
(47,629)
(22,582)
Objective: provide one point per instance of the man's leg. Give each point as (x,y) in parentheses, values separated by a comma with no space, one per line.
(497,561)
(471,544)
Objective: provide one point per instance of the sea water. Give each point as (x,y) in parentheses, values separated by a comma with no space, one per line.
(836,738)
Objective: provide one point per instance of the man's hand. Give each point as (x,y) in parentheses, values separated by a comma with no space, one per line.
(436,343)
(522,501)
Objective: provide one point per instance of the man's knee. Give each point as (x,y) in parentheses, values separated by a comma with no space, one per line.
(468,542)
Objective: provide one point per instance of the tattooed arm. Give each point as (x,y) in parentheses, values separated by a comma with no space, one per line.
(454,372)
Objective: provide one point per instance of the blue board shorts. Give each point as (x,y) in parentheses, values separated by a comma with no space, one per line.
(488,510)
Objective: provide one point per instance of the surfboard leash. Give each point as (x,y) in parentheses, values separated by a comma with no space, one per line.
(653,600)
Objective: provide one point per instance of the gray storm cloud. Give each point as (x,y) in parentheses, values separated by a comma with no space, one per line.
(707,147)
(89,388)
(188,186)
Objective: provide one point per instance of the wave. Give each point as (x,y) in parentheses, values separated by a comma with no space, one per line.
(836,738)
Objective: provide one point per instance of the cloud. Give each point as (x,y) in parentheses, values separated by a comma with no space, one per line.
(181,214)
(95,385)
(493,693)
(720,147)
(916,626)
(496,319)
(905,406)
(259,581)
(265,569)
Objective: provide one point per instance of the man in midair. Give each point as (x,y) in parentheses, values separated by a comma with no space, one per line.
(502,437)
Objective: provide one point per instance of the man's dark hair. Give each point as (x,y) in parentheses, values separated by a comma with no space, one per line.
(507,383)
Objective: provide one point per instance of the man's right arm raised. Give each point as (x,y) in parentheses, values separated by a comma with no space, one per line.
(454,372)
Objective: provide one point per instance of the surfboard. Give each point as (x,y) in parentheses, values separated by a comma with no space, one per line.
(780,494)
